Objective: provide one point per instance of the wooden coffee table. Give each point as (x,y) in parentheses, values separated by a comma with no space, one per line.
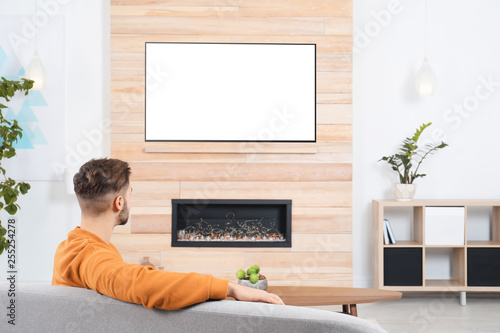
(347,297)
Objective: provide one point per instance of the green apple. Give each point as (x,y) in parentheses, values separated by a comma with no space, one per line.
(251,271)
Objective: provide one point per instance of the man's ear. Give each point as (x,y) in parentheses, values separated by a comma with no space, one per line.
(118,203)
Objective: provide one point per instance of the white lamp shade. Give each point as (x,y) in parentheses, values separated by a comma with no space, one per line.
(426,82)
(36,72)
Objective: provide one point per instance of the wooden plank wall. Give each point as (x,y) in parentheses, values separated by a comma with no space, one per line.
(319,183)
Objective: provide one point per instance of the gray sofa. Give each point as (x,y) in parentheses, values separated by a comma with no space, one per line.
(45,308)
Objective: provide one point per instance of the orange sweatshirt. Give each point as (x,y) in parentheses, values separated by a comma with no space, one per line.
(85,260)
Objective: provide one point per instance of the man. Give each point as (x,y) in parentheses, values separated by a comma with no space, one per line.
(87,259)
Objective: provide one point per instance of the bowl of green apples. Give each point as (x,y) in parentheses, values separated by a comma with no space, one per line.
(252,278)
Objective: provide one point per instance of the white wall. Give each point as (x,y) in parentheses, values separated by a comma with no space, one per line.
(48,213)
(462,47)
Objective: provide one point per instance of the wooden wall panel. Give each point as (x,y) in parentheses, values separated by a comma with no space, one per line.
(332,98)
(340,7)
(319,219)
(224,26)
(316,176)
(141,242)
(176,2)
(175,11)
(131,43)
(328,44)
(156,171)
(151,224)
(303,194)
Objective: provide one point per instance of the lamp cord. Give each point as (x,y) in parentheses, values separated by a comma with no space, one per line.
(36,25)
(425,29)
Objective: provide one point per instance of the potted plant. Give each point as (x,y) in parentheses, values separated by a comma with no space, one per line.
(10,132)
(252,278)
(407,163)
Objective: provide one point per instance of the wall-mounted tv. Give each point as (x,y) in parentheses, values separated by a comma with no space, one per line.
(230,92)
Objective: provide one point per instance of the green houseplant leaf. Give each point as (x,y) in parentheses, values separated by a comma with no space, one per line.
(410,154)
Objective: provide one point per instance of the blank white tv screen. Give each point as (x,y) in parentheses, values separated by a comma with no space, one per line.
(230,92)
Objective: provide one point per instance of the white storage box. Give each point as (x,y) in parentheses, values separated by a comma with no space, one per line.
(444,225)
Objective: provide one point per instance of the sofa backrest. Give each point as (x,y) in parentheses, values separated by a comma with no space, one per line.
(46,308)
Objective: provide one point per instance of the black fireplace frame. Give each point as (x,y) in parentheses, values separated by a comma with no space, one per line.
(286,205)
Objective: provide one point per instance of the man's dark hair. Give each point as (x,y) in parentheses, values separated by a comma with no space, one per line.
(98,182)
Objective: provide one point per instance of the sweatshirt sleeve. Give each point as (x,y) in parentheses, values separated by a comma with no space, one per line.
(106,273)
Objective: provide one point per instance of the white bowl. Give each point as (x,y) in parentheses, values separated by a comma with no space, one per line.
(261,284)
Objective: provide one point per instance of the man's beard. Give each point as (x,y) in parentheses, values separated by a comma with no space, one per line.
(124,214)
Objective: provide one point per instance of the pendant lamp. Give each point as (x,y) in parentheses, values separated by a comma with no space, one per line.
(426,82)
(35,70)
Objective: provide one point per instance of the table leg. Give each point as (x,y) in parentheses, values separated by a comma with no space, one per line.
(354,310)
(345,309)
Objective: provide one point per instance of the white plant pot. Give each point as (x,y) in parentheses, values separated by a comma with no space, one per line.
(404,192)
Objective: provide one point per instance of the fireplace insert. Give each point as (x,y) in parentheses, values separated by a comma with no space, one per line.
(231,223)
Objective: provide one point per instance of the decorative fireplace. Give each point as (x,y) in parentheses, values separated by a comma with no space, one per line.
(231,223)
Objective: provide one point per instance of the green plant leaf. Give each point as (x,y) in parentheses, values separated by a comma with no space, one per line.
(9,153)
(9,196)
(24,187)
(11,209)
(4,244)
(419,131)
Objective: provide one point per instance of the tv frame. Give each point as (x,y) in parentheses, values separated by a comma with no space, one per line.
(233,141)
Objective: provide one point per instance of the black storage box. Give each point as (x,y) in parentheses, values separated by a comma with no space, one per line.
(403,267)
(483,267)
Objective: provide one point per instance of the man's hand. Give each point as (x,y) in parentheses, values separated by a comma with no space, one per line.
(243,293)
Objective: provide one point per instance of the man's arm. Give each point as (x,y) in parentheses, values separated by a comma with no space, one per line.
(106,273)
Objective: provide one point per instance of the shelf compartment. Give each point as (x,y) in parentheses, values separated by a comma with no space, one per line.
(483,267)
(445,225)
(482,224)
(445,265)
(407,225)
(403,267)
